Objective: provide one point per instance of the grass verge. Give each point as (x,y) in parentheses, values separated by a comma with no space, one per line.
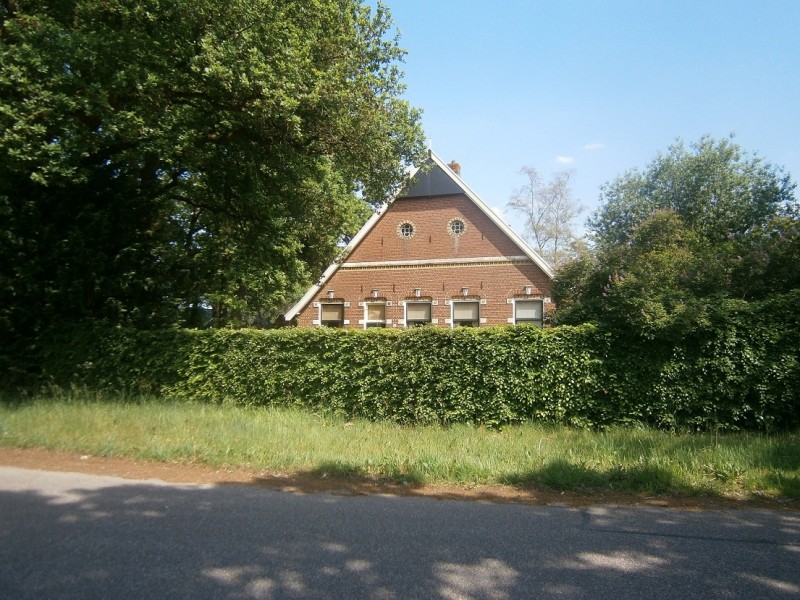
(636,461)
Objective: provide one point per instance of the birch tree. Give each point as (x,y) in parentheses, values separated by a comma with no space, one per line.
(549,210)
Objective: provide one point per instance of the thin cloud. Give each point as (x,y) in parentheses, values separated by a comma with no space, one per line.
(594,146)
(565,160)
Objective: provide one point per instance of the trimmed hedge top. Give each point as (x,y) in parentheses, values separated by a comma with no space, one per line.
(741,373)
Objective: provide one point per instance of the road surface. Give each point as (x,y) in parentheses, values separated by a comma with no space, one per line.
(69,535)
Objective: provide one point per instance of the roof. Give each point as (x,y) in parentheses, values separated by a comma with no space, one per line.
(433,177)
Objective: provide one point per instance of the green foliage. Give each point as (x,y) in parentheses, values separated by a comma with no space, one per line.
(159,158)
(700,227)
(740,371)
(110,359)
(695,278)
(714,186)
(493,376)
(764,262)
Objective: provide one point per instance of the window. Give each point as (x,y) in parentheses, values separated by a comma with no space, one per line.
(418,313)
(375,314)
(456,227)
(405,230)
(528,311)
(466,313)
(331,315)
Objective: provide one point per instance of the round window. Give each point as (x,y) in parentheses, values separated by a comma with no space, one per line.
(405,230)
(456,226)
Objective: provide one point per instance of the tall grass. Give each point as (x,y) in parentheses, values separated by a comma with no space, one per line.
(295,441)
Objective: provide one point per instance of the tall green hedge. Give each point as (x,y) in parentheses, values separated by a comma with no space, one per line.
(739,371)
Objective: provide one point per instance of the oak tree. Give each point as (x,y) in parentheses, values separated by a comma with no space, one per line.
(159,158)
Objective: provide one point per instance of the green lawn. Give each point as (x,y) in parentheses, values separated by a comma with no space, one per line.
(293,441)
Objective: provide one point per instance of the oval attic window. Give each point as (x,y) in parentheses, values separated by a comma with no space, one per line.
(456,226)
(405,230)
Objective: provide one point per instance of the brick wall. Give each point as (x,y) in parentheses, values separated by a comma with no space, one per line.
(496,274)
(431,240)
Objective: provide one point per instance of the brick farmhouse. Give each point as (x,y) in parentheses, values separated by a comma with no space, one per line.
(436,254)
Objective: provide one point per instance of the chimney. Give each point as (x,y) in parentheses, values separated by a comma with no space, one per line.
(455,167)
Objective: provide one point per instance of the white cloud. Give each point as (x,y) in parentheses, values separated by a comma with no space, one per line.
(594,146)
(565,160)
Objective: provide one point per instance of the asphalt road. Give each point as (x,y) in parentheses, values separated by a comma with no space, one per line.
(66,535)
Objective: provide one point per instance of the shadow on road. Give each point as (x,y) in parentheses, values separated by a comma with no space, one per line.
(75,536)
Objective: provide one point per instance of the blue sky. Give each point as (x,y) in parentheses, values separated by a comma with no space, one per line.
(598,86)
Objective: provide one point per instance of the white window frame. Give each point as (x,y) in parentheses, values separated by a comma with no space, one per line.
(451,226)
(367,322)
(453,322)
(411,233)
(405,312)
(515,321)
(343,321)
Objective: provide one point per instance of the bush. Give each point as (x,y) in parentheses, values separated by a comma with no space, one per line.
(739,371)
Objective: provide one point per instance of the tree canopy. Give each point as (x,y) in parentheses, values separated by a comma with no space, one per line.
(702,225)
(715,187)
(157,158)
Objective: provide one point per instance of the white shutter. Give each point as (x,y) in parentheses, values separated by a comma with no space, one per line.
(376,312)
(465,311)
(528,309)
(418,311)
(332,312)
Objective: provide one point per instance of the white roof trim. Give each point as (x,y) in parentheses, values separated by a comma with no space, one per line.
(485,209)
(426,262)
(309,295)
(495,218)
(314,289)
